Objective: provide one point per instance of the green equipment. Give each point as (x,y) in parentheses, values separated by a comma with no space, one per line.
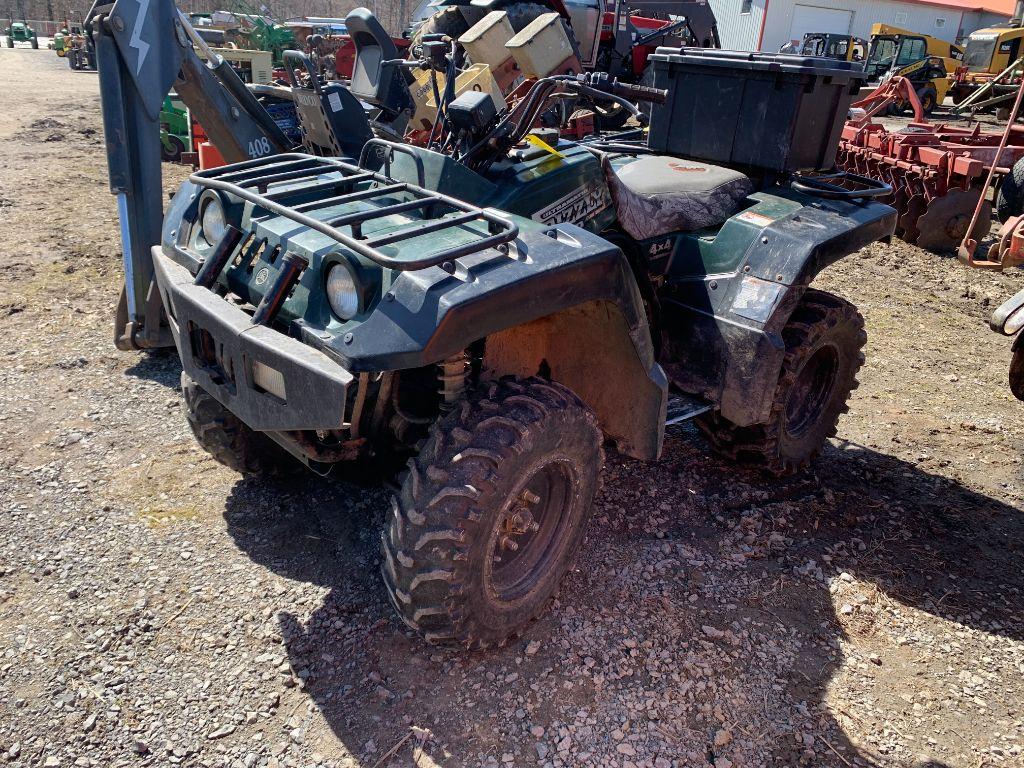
(263,32)
(21,32)
(175,131)
(494,308)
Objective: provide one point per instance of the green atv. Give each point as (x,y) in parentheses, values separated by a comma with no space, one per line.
(21,32)
(494,312)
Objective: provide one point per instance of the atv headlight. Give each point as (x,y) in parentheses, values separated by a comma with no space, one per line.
(342,291)
(212,220)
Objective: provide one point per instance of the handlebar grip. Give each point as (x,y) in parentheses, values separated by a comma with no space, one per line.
(640,92)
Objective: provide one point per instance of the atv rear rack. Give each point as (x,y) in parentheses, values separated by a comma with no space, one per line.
(252,181)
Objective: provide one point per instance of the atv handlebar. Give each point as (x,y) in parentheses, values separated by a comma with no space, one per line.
(602,83)
(640,92)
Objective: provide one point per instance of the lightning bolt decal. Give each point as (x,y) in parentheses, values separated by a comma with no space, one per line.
(136,41)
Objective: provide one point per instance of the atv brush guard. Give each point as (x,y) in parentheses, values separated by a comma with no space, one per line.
(252,181)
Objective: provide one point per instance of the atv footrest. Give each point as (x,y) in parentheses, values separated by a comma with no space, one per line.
(682,407)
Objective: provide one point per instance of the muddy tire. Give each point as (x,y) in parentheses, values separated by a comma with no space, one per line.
(492,512)
(1010,198)
(824,351)
(226,438)
(1017,370)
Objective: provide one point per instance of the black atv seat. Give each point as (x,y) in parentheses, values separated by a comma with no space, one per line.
(332,119)
(382,85)
(656,194)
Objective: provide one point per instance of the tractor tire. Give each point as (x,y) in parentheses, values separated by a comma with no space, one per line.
(824,351)
(509,475)
(1010,197)
(172,154)
(73,61)
(928,98)
(10,42)
(35,43)
(226,438)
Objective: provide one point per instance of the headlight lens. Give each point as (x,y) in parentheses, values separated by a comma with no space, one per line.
(214,223)
(342,292)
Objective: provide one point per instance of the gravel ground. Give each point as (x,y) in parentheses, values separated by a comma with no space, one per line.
(157,609)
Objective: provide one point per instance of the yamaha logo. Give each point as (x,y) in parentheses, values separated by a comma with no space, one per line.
(262,275)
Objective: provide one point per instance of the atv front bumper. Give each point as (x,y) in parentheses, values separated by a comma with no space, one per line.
(270,381)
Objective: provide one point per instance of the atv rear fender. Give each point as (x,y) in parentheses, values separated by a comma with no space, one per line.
(725,330)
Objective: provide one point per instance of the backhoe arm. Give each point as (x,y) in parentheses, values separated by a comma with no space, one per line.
(143,47)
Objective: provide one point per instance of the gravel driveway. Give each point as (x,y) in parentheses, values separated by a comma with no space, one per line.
(157,609)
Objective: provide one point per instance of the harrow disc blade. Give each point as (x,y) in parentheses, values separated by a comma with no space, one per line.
(943,225)
(909,220)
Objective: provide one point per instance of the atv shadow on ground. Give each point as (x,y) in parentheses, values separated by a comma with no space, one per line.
(161,366)
(920,542)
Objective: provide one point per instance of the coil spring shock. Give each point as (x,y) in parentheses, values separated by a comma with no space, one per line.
(452,373)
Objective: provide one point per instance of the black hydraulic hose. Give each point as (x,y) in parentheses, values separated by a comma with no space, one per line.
(437,101)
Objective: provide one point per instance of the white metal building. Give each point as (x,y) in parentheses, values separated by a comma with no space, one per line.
(766,25)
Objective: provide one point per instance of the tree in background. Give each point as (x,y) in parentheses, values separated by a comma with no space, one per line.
(393,14)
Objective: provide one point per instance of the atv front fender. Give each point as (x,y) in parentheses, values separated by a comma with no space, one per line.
(563,304)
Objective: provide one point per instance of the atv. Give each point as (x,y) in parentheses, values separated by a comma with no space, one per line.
(494,310)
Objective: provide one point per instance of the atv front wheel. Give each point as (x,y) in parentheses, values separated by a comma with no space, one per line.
(824,341)
(225,437)
(492,512)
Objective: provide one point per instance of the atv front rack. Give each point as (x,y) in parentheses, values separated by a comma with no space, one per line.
(254,182)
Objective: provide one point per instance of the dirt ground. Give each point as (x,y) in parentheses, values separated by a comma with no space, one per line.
(157,609)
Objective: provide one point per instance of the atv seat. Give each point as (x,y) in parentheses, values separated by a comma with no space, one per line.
(333,121)
(656,195)
(382,85)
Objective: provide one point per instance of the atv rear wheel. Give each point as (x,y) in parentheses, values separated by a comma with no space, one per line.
(492,512)
(225,437)
(824,341)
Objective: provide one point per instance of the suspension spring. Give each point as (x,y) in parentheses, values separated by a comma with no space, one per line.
(452,373)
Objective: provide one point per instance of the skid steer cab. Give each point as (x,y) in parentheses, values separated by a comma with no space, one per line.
(496,310)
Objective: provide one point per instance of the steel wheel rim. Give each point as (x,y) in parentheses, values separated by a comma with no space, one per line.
(811,390)
(546,501)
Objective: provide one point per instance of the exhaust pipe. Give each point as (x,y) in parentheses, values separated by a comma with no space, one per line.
(1017,19)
